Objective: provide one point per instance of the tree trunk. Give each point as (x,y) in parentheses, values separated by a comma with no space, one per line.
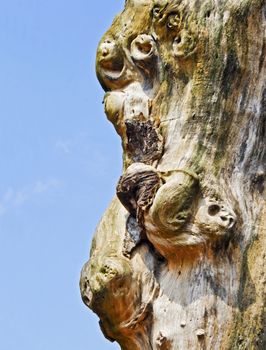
(178,259)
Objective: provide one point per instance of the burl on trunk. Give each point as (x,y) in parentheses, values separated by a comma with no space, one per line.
(178,259)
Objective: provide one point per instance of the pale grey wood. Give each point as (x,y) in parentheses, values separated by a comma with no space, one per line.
(178,259)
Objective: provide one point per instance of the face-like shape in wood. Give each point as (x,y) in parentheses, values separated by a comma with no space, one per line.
(157,70)
(185,91)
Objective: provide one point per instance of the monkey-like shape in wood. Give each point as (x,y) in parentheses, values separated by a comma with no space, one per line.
(131,73)
(168,79)
(171,208)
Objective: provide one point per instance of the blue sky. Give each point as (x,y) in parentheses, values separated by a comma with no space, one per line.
(60,161)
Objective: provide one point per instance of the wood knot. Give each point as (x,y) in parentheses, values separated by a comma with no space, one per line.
(137,187)
(163,342)
(200,333)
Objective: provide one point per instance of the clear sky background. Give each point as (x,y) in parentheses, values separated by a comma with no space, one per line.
(60,161)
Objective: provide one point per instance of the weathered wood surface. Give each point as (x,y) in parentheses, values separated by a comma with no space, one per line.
(178,259)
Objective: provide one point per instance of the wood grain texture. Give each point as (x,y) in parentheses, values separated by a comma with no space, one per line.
(178,259)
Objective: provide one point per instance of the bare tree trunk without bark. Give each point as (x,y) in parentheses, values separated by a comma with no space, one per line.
(178,259)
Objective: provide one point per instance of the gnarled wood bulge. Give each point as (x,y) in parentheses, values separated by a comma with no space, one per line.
(178,260)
